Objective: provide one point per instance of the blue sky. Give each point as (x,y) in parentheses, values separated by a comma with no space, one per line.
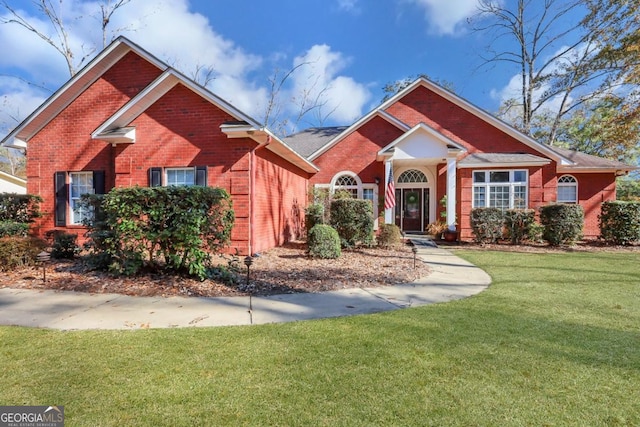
(352,48)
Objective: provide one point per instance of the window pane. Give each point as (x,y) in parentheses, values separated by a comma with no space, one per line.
(346,180)
(498,176)
(479,197)
(181,176)
(80,183)
(479,177)
(520,176)
(367,193)
(499,197)
(567,193)
(519,197)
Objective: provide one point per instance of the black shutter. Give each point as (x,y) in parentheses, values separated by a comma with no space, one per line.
(201,176)
(98,182)
(60,211)
(155,177)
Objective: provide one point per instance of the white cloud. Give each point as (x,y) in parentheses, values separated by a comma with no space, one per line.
(349,6)
(445,16)
(318,78)
(185,39)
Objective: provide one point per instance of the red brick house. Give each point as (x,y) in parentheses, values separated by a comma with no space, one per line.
(129,119)
(432,143)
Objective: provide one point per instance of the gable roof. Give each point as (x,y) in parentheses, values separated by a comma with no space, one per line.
(310,140)
(115,129)
(380,111)
(350,129)
(448,143)
(60,99)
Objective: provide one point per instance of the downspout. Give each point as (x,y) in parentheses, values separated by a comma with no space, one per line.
(252,192)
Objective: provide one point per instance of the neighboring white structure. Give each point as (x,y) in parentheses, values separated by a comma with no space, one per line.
(12,184)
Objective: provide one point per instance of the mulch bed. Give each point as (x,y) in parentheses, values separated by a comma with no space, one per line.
(280,270)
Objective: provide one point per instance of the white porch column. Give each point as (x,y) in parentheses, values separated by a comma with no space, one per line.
(389,217)
(451,193)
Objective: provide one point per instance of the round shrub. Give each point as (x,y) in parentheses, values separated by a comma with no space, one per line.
(487,224)
(620,222)
(353,220)
(389,235)
(324,242)
(563,224)
(314,214)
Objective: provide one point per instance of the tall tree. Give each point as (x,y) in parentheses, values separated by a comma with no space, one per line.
(552,53)
(61,40)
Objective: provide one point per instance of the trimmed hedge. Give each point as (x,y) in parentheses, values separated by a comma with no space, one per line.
(17,252)
(487,224)
(518,223)
(562,223)
(389,235)
(13,228)
(163,228)
(353,220)
(620,222)
(324,242)
(19,207)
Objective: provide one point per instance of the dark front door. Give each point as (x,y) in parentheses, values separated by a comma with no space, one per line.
(412,206)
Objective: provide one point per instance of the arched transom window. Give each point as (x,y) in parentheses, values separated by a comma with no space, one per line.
(347,183)
(567,189)
(411,176)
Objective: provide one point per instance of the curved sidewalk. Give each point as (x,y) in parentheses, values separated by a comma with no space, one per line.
(451,278)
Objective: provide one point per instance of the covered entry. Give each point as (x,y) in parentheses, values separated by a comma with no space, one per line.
(413,200)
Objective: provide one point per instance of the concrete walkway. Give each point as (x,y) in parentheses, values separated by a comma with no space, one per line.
(451,278)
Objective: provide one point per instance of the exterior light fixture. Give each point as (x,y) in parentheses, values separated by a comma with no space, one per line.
(415,252)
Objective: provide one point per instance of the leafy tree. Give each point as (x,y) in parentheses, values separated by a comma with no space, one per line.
(553,54)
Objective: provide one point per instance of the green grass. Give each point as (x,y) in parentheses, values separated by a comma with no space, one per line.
(555,341)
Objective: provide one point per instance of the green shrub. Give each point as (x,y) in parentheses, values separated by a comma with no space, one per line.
(563,224)
(64,245)
(162,228)
(536,231)
(314,214)
(389,235)
(13,228)
(324,242)
(17,252)
(353,220)
(518,223)
(620,222)
(19,207)
(487,224)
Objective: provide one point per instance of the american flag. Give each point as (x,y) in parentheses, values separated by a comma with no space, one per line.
(390,195)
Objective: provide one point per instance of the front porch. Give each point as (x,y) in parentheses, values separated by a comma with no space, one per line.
(420,170)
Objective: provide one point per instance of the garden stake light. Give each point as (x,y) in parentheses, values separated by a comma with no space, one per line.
(43,257)
(415,251)
(248,261)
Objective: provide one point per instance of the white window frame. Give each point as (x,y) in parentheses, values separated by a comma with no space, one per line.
(76,190)
(188,169)
(350,188)
(512,185)
(563,182)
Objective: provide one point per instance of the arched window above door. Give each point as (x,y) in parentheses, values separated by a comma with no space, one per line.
(412,176)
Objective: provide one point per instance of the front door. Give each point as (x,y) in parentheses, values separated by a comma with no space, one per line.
(412,207)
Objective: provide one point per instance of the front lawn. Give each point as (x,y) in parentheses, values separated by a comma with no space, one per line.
(554,341)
